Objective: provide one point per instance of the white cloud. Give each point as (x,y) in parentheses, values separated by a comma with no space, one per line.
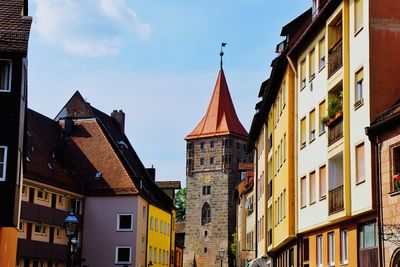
(76,27)
(118,11)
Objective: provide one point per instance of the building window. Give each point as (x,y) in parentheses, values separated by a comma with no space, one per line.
(359,17)
(207,190)
(359,78)
(151,254)
(322,182)
(201,161)
(21,226)
(60,200)
(343,247)
(313,188)
(284,147)
(125,222)
(58,232)
(161,226)
(284,94)
(312,126)
(212,144)
(319,251)
(212,160)
(156,225)
(123,255)
(331,249)
(303,80)
(322,54)
(322,113)
(303,132)
(40,229)
(205,250)
(312,64)
(396,168)
(42,195)
(306,249)
(360,165)
(3,162)
(76,205)
(24,190)
(303,190)
(155,255)
(206,214)
(151,223)
(5,75)
(367,236)
(202,145)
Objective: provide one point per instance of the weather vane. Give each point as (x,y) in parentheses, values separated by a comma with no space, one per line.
(222,53)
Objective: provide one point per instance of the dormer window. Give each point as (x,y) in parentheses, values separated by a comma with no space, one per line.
(5,75)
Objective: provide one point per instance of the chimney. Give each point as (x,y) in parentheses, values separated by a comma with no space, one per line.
(119,117)
(152,172)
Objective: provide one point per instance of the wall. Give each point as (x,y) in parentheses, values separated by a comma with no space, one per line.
(8,246)
(100,227)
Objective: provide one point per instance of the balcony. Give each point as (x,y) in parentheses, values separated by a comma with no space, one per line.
(41,250)
(335,129)
(335,61)
(336,202)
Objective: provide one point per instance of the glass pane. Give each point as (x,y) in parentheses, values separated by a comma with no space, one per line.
(369,235)
(123,254)
(2,152)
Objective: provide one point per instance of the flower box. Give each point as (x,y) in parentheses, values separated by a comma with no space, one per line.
(333,118)
(396,182)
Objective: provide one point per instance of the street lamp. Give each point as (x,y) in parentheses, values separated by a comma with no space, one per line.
(221,254)
(71,224)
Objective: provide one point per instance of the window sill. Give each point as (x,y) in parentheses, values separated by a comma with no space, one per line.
(322,68)
(303,146)
(311,78)
(322,198)
(361,182)
(321,133)
(302,88)
(312,140)
(394,193)
(312,203)
(124,230)
(303,207)
(359,104)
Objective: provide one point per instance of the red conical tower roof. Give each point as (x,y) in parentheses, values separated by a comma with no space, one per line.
(221,118)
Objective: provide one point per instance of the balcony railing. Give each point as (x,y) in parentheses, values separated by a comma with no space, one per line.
(335,58)
(41,250)
(335,132)
(336,202)
(41,214)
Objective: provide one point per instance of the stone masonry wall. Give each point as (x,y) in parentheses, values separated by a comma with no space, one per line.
(203,242)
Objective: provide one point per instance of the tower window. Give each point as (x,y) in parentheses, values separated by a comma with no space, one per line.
(206,214)
(212,160)
(207,190)
(201,161)
(212,144)
(205,250)
(202,145)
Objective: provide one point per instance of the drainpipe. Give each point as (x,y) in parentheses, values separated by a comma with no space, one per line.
(377,160)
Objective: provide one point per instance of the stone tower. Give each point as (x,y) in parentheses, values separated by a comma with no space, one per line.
(214,150)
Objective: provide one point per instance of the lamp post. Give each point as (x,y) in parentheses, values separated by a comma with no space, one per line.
(71,224)
(221,254)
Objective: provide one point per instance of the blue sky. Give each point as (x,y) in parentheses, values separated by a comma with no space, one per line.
(156,60)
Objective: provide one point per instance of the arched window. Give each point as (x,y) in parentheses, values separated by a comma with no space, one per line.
(396,259)
(205,214)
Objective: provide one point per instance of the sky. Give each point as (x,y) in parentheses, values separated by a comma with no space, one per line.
(156,60)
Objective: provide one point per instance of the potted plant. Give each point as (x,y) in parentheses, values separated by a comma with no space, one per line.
(396,181)
(334,110)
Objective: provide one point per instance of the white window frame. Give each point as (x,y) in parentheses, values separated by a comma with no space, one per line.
(119,229)
(320,253)
(7,90)
(344,247)
(116,255)
(3,175)
(331,249)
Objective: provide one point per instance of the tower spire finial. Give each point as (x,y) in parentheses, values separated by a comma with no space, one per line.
(222,54)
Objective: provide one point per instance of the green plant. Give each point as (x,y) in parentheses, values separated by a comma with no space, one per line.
(334,106)
(234,243)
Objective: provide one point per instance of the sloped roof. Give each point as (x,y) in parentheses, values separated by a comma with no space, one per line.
(45,159)
(169,184)
(96,137)
(14,28)
(220,118)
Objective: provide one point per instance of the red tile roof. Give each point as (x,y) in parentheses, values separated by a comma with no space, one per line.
(221,118)
(14,28)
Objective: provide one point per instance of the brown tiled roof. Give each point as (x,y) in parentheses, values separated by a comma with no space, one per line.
(45,160)
(169,184)
(14,28)
(221,118)
(101,146)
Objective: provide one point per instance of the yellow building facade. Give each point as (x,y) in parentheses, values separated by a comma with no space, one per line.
(159,237)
